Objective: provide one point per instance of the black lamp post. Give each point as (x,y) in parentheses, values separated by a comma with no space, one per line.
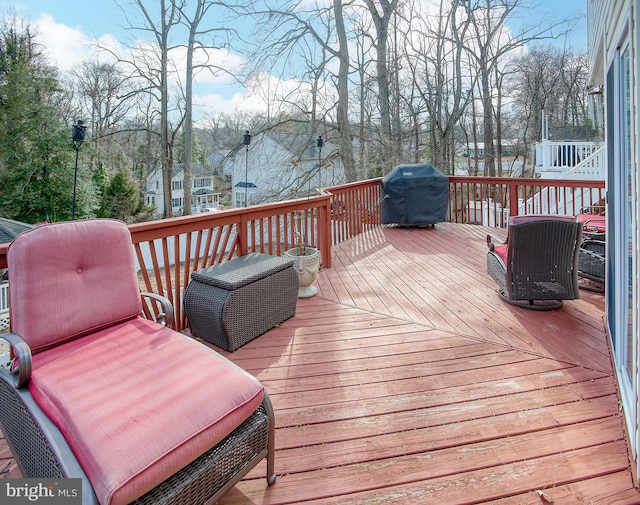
(77,136)
(246,141)
(320,143)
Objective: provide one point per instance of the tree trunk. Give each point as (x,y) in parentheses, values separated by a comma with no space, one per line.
(487,114)
(342,113)
(381,23)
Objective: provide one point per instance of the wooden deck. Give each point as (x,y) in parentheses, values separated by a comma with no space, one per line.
(407,381)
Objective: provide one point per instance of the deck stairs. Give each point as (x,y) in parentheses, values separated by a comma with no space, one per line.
(592,166)
(556,160)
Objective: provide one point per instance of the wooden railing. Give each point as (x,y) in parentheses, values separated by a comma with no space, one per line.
(355,208)
(167,251)
(490,201)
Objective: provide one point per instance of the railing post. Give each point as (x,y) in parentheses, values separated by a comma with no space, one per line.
(243,235)
(514,204)
(324,233)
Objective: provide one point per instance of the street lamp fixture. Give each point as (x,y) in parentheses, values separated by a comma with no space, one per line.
(246,141)
(78,134)
(319,144)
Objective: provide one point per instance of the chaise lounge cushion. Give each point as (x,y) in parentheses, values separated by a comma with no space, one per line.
(501,250)
(81,297)
(593,223)
(111,394)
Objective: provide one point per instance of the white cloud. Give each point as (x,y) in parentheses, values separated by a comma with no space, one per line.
(217,103)
(65,46)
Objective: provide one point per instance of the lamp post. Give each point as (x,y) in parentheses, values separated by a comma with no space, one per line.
(320,143)
(246,141)
(77,136)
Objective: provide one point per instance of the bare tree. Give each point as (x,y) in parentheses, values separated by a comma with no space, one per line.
(382,12)
(365,95)
(169,11)
(105,92)
(492,41)
(551,80)
(344,128)
(282,30)
(436,63)
(193,24)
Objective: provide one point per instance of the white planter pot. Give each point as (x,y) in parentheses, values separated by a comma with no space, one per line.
(307,268)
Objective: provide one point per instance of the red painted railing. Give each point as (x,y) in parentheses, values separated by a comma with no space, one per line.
(490,201)
(167,251)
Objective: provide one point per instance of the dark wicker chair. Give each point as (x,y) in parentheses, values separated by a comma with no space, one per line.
(141,413)
(536,267)
(591,265)
(592,257)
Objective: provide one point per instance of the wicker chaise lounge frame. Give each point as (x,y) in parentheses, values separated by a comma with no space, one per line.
(542,262)
(41,450)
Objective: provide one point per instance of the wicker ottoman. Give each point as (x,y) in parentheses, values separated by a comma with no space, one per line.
(234,302)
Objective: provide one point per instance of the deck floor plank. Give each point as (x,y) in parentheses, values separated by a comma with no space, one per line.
(450,476)
(407,380)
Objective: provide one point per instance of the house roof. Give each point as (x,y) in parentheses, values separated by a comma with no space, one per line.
(196,169)
(202,191)
(10,229)
(302,145)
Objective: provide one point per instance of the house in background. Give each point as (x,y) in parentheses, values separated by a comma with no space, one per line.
(614,57)
(203,196)
(220,164)
(10,229)
(282,166)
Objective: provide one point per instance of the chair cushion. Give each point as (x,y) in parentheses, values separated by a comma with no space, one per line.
(81,297)
(593,223)
(138,401)
(501,250)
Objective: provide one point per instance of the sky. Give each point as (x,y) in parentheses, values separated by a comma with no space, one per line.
(69,27)
(69,30)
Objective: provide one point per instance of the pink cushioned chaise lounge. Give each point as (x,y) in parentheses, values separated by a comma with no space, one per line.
(138,411)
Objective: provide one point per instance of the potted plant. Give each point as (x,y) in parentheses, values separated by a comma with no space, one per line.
(306,259)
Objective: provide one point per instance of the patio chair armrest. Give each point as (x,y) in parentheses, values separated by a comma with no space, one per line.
(166,316)
(20,365)
(594,225)
(492,241)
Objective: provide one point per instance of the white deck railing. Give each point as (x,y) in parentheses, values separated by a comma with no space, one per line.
(4,306)
(591,168)
(554,160)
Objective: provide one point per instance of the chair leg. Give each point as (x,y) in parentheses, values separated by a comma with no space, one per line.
(271,474)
